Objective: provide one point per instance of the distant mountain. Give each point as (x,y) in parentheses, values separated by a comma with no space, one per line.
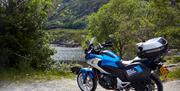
(73,13)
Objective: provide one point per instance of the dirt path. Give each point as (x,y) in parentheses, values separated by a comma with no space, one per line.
(66,85)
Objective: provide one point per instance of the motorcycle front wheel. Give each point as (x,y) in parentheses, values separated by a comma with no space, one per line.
(86,84)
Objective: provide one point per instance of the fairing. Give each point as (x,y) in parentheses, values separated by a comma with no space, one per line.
(109,58)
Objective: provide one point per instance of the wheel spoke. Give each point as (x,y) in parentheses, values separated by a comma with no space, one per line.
(88,85)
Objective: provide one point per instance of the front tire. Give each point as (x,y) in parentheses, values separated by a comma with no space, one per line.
(90,84)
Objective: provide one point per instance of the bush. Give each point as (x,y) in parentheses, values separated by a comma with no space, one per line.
(23,42)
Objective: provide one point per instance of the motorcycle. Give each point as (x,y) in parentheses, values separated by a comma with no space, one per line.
(113,73)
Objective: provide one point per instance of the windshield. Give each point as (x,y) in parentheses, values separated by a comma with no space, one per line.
(92,40)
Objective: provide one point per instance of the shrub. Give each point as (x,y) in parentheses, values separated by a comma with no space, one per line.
(23,41)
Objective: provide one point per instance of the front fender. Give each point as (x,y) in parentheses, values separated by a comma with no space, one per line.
(87,71)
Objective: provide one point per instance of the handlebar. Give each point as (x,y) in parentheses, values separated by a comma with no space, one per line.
(92,49)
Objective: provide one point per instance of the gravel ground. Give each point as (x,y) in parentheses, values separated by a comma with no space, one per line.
(66,85)
(172,85)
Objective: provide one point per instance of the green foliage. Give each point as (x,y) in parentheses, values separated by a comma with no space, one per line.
(168,21)
(122,19)
(174,74)
(68,35)
(72,13)
(14,75)
(172,59)
(128,21)
(23,42)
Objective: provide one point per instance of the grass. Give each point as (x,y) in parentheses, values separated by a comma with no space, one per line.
(32,75)
(55,71)
(68,34)
(174,74)
(172,59)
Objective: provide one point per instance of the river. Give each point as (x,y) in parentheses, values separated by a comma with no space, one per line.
(68,54)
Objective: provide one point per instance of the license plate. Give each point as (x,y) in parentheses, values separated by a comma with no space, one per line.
(164,71)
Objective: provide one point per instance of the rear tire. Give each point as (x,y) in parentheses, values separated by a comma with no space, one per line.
(149,86)
(81,84)
(157,82)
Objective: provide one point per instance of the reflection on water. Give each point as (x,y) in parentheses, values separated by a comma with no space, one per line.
(64,53)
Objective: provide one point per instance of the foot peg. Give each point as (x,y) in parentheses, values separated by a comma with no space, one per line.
(121,85)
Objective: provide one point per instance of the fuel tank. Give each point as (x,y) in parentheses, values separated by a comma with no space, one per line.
(110,59)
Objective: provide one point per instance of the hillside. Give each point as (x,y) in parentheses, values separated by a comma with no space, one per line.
(73,13)
(67,37)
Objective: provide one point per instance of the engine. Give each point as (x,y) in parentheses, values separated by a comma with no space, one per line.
(108,82)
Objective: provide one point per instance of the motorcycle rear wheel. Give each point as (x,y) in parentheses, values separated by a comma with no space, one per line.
(154,84)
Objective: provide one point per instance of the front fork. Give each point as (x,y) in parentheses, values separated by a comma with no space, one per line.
(85,78)
(87,72)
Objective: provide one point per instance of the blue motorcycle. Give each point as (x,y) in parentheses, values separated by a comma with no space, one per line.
(113,73)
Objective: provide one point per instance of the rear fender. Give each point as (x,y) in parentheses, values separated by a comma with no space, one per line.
(87,71)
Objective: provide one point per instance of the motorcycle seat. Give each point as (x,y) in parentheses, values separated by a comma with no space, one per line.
(128,62)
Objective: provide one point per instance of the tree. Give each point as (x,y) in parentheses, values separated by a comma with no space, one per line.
(168,21)
(120,18)
(23,42)
(129,21)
